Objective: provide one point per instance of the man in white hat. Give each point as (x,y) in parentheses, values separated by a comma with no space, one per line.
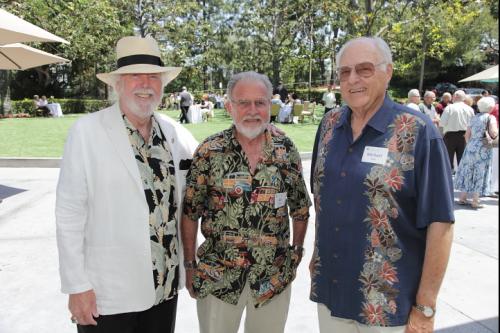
(118,202)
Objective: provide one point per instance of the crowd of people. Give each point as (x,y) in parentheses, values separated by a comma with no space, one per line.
(127,232)
(46,108)
(464,123)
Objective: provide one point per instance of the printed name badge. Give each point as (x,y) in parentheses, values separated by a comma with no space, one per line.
(377,155)
(279,200)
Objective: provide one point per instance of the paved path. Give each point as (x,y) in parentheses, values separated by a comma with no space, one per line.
(30,300)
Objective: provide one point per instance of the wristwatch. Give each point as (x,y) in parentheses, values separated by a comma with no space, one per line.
(190,264)
(427,311)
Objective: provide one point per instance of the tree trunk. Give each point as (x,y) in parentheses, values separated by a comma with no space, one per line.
(311,45)
(422,64)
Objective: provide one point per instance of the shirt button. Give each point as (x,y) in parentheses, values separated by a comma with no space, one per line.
(335,255)
(337,229)
(342,174)
(339,202)
(349,150)
(334,281)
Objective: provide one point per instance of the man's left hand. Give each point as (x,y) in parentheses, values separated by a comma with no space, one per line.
(418,323)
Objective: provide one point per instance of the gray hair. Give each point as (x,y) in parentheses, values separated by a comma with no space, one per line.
(429,93)
(413,93)
(249,76)
(459,95)
(486,104)
(446,94)
(381,46)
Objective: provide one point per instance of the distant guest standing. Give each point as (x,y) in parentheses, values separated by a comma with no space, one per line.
(185,102)
(281,90)
(454,120)
(474,171)
(413,99)
(427,107)
(329,99)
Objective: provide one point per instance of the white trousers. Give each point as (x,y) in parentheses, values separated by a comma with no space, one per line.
(216,316)
(330,324)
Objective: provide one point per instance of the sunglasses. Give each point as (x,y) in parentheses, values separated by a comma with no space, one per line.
(363,69)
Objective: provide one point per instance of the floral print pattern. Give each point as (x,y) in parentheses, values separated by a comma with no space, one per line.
(245,216)
(474,172)
(156,168)
(379,275)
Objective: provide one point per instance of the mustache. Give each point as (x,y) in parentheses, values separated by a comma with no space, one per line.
(144,91)
(252,118)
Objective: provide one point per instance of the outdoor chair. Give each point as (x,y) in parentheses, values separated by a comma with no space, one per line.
(208,113)
(297,112)
(309,112)
(275,110)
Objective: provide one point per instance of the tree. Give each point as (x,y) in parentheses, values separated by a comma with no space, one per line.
(91,27)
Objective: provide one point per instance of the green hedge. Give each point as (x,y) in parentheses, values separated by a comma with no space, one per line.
(67,105)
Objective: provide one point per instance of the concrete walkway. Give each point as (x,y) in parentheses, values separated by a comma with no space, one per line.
(30,300)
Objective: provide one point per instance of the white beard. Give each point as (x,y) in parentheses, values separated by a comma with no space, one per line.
(141,110)
(251,132)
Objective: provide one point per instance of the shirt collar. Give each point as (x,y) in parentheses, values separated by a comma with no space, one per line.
(155,129)
(379,121)
(268,146)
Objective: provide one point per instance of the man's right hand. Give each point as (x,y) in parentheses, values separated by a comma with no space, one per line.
(311,267)
(189,282)
(83,307)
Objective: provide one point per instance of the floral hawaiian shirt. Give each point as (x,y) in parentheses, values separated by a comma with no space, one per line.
(156,168)
(374,198)
(245,216)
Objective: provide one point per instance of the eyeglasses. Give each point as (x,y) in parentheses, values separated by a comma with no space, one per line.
(363,69)
(246,104)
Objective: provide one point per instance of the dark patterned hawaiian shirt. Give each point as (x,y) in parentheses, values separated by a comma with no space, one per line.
(374,198)
(245,216)
(156,168)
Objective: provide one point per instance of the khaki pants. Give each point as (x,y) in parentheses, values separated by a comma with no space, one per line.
(216,316)
(330,324)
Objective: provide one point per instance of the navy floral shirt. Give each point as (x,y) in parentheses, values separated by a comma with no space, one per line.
(374,198)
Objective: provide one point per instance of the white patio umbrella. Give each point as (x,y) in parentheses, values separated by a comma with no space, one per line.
(16,30)
(488,75)
(18,56)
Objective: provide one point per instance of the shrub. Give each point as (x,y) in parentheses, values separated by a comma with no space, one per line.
(67,105)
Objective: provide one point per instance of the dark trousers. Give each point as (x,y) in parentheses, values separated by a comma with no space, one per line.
(184,113)
(455,143)
(44,111)
(158,319)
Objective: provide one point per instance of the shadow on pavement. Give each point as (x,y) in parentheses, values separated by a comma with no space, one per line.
(6,191)
(479,326)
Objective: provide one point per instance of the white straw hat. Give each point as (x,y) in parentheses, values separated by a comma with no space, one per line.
(137,55)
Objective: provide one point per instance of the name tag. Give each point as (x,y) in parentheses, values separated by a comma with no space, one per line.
(279,200)
(377,155)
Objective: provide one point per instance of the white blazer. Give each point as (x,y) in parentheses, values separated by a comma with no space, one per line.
(102,217)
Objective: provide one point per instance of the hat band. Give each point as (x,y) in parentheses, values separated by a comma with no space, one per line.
(139,59)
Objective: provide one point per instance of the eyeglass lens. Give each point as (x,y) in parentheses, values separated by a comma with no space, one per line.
(364,69)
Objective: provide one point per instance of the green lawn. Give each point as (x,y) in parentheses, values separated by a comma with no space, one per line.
(44,137)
